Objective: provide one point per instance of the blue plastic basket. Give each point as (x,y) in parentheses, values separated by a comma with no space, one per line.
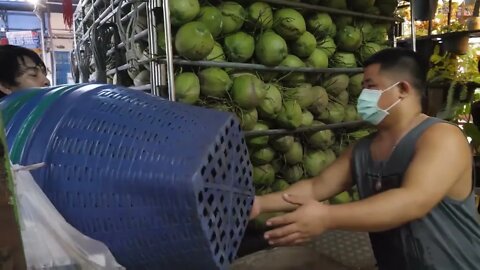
(164,185)
(27,107)
(12,103)
(27,117)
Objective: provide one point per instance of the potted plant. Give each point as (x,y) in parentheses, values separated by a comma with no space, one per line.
(424,10)
(455,39)
(452,80)
(473,23)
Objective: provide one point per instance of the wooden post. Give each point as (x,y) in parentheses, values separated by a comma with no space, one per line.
(449,12)
(476,8)
(12,256)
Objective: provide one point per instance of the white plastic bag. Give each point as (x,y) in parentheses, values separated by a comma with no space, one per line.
(48,240)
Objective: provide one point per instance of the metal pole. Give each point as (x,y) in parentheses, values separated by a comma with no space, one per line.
(52,51)
(412,27)
(241,66)
(315,128)
(153,46)
(312,7)
(449,12)
(138,36)
(41,17)
(247,66)
(169,50)
(75,34)
(394,36)
(430,27)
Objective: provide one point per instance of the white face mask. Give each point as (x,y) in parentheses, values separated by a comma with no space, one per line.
(367,105)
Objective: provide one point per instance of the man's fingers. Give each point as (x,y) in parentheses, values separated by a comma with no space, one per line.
(287,240)
(281,232)
(281,220)
(294,199)
(255,211)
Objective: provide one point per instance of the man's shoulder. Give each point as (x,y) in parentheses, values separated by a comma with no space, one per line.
(443,129)
(442,133)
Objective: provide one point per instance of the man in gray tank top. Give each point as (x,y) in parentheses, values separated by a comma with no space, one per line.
(414,177)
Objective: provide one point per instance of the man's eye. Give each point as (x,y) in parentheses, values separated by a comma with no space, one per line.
(34,75)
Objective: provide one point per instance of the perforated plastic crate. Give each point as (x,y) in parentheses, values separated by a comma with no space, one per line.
(26,112)
(11,104)
(164,185)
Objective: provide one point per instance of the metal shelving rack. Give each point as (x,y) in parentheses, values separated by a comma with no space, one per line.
(413,36)
(162,67)
(162,78)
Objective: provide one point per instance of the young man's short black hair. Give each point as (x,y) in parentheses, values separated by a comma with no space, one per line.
(399,60)
(11,58)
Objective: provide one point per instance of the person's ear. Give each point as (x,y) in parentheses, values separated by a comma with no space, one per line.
(4,89)
(406,89)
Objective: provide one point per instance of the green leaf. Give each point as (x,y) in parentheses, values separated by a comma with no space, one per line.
(472,131)
(436,59)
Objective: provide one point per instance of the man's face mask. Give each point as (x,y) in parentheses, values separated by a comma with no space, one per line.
(367,105)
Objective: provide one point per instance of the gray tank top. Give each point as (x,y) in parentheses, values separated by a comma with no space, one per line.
(447,238)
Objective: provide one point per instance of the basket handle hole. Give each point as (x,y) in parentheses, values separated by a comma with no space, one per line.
(210,199)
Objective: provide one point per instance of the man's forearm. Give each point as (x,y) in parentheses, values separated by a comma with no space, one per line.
(317,189)
(275,203)
(382,212)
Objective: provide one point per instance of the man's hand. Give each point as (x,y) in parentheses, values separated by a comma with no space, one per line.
(256,209)
(309,220)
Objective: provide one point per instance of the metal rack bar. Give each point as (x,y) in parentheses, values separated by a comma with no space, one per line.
(124,18)
(78,9)
(412,26)
(100,18)
(105,15)
(81,3)
(102,21)
(330,10)
(245,66)
(138,36)
(449,19)
(141,87)
(89,13)
(155,69)
(169,50)
(108,13)
(471,33)
(182,62)
(279,132)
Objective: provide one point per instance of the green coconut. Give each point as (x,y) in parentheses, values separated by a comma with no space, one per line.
(289,23)
(212,18)
(270,49)
(193,41)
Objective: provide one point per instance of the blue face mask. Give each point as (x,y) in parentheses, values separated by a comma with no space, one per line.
(367,105)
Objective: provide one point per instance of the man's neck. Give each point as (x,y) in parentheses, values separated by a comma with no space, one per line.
(398,126)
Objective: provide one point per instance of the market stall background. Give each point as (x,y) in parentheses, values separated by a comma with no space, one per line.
(289,70)
(186,53)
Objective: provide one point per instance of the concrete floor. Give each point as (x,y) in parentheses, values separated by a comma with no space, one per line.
(336,250)
(287,258)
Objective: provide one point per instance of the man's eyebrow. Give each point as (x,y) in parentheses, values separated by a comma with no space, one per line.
(30,68)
